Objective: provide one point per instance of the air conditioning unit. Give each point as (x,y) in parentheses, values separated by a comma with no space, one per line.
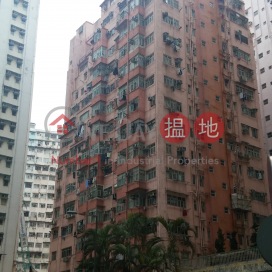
(165,14)
(179,72)
(135,19)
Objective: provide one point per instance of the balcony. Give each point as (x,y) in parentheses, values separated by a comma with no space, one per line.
(240,202)
(122,21)
(243,157)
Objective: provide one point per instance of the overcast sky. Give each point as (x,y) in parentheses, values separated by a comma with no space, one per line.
(58,22)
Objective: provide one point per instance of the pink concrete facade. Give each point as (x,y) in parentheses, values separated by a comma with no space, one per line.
(131,171)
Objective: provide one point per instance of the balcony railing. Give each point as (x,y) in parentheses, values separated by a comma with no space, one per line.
(223,259)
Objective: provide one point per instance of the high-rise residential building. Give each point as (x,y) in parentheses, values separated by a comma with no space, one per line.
(18,20)
(259,14)
(38,200)
(139,62)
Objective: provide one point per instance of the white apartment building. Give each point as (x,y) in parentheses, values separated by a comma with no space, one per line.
(38,199)
(18,22)
(260,20)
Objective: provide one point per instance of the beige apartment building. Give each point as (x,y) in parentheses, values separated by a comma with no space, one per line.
(18,21)
(142,60)
(259,14)
(38,200)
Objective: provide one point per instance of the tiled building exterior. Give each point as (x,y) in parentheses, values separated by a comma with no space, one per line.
(259,14)
(18,20)
(140,61)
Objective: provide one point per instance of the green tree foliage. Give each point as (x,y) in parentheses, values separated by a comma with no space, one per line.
(233,241)
(220,242)
(133,246)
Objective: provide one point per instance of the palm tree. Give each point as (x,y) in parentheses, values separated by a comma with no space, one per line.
(178,235)
(153,257)
(124,257)
(141,250)
(139,226)
(97,247)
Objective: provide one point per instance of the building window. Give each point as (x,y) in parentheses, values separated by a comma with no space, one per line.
(203,43)
(150,150)
(260,55)
(149,81)
(269,135)
(224,186)
(262,70)
(66,252)
(168,149)
(149,59)
(265,102)
(148,19)
(267,118)
(170,20)
(176,201)
(151,125)
(150,174)
(214,218)
(264,86)
(149,39)
(175,175)
(226,210)
(204,62)
(213,193)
